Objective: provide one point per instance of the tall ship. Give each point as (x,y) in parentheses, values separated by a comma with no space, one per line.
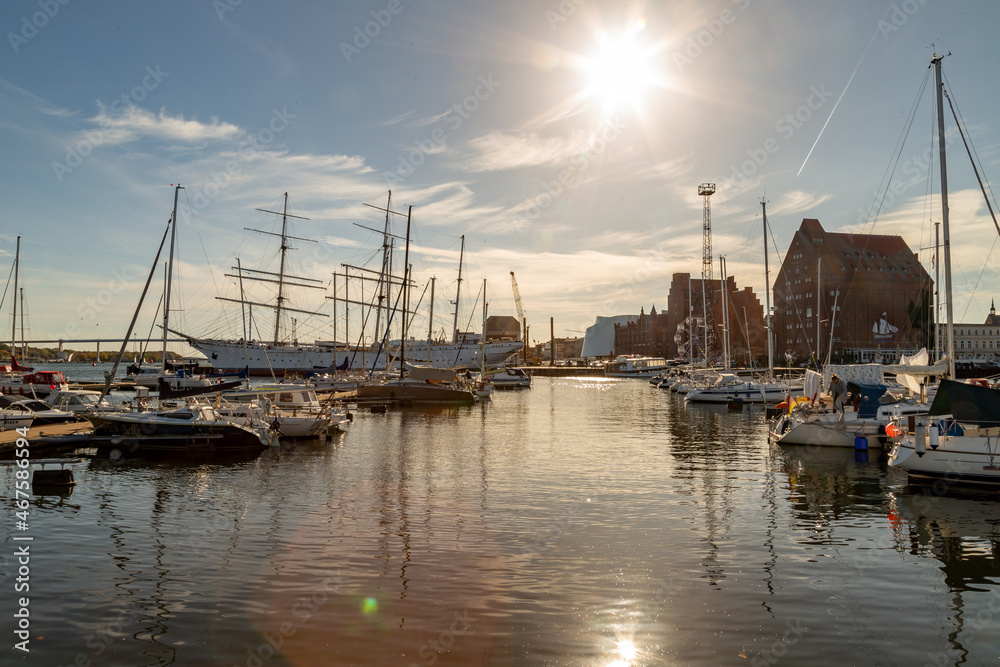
(281,356)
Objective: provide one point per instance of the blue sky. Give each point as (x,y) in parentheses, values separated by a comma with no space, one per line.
(565,140)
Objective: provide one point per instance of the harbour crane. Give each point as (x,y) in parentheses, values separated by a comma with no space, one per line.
(520,313)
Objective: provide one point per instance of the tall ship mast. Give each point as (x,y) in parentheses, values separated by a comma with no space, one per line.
(392,310)
(280,278)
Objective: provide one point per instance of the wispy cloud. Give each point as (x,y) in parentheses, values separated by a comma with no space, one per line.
(498,151)
(135,123)
(798,202)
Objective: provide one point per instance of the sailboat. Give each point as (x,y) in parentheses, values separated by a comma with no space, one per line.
(421,384)
(728,388)
(281,356)
(959,440)
(190,428)
(18,379)
(466,349)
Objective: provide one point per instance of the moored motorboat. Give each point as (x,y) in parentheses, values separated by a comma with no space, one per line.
(191,428)
(41,412)
(635,366)
(424,385)
(509,377)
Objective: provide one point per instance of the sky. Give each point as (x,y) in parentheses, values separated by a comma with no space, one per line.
(565,140)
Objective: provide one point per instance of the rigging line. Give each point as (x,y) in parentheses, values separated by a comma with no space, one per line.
(798,313)
(898,153)
(7,286)
(204,250)
(886,181)
(844,92)
(974,168)
(966,127)
(968,304)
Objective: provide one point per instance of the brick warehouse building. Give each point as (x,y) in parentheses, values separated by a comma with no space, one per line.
(746,319)
(880,291)
(645,336)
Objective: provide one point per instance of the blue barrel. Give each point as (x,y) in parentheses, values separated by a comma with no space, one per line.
(861,442)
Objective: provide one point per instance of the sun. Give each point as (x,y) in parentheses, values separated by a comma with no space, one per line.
(621,71)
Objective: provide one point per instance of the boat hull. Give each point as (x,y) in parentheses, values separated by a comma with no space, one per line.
(957,460)
(138,434)
(263,360)
(745,392)
(403,393)
(828,434)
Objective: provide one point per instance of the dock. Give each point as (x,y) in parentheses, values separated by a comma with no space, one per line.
(40,435)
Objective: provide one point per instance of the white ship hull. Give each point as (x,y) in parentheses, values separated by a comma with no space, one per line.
(262,359)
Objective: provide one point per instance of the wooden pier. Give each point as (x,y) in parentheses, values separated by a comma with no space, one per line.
(39,435)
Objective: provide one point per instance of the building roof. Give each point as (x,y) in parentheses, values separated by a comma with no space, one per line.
(847,257)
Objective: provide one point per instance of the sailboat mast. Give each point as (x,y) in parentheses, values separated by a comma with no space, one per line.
(406,293)
(458,291)
(690,325)
(430,319)
(767,295)
(24,346)
(281,271)
(725,314)
(170,271)
(937,291)
(950,331)
(819,277)
(13,321)
(482,341)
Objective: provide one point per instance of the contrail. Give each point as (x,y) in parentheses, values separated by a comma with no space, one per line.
(837,103)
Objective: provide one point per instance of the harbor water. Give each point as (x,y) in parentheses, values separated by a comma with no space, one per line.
(584,521)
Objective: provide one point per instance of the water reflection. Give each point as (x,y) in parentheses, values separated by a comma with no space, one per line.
(586,523)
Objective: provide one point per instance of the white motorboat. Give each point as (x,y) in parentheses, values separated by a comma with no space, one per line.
(23,382)
(41,412)
(747,391)
(14,419)
(80,401)
(635,366)
(294,410)
(509,377)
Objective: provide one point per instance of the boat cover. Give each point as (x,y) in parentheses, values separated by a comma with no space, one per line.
(870,395)
(967,403)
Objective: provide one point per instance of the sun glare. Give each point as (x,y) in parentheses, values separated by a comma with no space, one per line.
(620,72)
